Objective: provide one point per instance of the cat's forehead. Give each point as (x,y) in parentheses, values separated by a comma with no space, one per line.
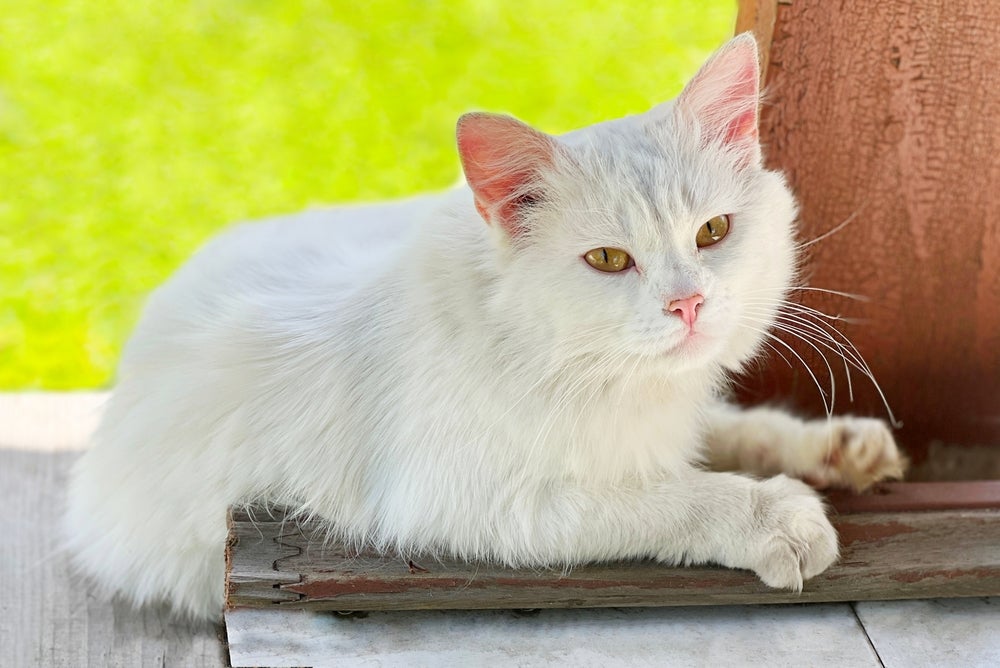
(644,176)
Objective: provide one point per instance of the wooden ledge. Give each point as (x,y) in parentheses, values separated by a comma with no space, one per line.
(272,561)
(918,496)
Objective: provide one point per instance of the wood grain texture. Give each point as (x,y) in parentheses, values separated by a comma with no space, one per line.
(758,16)
(884,556)
(918,496)
(885,115)
(49,617)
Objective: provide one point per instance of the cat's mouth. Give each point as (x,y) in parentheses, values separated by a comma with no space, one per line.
(691,342)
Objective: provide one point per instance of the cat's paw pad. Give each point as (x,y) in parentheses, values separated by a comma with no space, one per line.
(858,452)
(797,540)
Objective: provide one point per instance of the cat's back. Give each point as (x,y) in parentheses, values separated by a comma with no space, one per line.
(264,280)
(332,251)
(349,241)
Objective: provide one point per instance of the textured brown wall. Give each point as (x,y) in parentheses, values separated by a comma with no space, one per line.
(889,112)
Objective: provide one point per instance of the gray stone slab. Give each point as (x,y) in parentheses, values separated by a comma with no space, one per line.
(773,636)
(961,632)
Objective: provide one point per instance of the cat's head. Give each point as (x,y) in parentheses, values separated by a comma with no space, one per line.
(656,236)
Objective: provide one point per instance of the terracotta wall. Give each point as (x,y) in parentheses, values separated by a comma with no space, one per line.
(887,114)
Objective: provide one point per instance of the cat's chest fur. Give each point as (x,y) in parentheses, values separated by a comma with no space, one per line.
(506,421)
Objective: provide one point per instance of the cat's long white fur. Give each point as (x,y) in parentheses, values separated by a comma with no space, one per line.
(422,382)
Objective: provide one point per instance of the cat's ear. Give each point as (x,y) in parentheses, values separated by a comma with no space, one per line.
(502,158)
(724,97)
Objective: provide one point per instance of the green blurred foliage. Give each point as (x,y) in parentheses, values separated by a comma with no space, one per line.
(130,131)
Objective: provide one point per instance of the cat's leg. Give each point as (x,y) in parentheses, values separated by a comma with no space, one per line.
(844,451)
(776,528)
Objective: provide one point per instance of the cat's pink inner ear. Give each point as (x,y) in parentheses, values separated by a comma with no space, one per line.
(725,94)
(501,158)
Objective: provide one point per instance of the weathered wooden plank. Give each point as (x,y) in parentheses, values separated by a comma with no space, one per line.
(250,569)
(915,496)
(882,117)
(758,16)
(49,616)
(884,556)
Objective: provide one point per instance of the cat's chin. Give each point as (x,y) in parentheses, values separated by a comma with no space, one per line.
(695,345)
(693,350)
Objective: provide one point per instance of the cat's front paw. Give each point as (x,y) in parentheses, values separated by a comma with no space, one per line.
(857,452)
(796,540)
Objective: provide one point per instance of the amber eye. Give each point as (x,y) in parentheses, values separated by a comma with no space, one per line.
(609,259)
(713,231)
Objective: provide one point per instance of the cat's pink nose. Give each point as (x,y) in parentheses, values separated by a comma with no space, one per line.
(686,308)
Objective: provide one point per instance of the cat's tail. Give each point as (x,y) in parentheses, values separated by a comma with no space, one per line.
(144,520)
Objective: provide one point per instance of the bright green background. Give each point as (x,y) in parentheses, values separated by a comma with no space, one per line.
(130,130)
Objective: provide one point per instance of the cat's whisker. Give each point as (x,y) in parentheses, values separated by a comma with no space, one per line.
(823,321)
(819,328)
(792,308)
(822,393)
(826,362)
(612,361)
(597,386)
(577,388)
(555,385)
(549,373)
(621,391)
(552,365)
(787,305)
(777,352)
(806,330)
(829,332)
(825,334)
(809,288)
(623,385)
(836,228)
(836,293)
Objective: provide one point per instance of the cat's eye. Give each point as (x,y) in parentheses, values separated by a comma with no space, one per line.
(712,231)
(609,260)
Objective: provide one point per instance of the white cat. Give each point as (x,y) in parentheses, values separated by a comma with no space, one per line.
(526,370)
